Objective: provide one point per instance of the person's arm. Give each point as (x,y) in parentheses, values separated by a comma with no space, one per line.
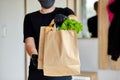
(59,18)
(29,40)
(71,16)
(28,36)
(30,46)
(70,13)
(31,50)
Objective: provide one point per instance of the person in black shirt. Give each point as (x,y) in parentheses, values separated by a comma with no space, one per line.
(32,23)
(93,22)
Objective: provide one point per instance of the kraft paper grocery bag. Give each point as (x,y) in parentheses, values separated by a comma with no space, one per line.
(41,46)
(61,53)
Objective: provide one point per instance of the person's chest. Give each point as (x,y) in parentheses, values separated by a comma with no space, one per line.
(41,20)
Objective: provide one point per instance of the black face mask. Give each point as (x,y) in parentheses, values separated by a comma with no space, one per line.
(47,3)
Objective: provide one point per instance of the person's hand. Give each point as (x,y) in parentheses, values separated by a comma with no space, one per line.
(59,19)
(34,59)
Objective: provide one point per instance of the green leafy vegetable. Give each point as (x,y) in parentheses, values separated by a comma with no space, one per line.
(71,24)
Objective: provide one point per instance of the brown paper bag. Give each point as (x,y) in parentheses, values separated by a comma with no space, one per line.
(41,48)
(61,53)
(41,45)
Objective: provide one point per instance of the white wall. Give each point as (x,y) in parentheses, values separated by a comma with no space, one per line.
(11,36)
(89,54)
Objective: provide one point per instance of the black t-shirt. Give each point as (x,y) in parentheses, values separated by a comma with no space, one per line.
(33,22)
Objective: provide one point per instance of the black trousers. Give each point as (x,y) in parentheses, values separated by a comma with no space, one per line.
(35,74)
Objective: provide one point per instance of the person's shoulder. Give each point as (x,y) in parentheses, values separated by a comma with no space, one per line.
(62,8)
(32,13)
(67,8)
(59,8)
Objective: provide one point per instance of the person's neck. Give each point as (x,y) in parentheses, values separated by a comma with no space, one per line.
(45,11)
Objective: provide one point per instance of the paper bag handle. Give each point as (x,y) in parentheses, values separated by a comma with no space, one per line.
(52,24)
